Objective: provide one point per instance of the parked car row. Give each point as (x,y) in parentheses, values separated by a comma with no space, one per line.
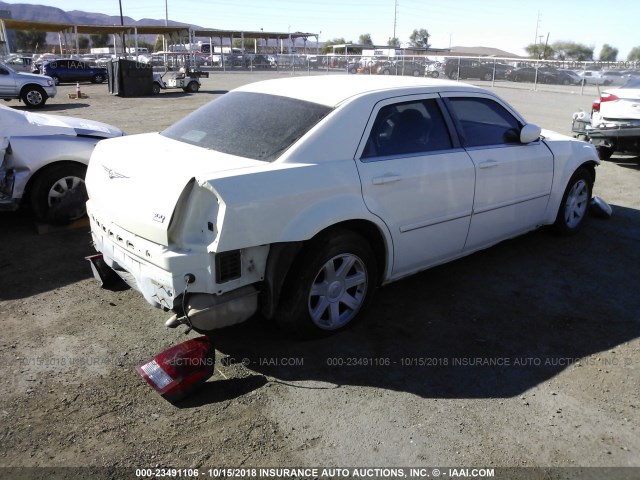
(551,75)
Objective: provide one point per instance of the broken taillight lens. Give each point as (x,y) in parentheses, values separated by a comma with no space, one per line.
(608,97)
(181,369)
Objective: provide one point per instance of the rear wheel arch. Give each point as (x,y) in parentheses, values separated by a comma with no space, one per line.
(283,256)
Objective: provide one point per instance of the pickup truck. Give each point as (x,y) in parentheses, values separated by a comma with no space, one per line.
(33,90)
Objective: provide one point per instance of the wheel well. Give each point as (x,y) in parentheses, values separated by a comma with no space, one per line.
(41,171)
(371,233)
(30,86)
(591,168)
(284,255)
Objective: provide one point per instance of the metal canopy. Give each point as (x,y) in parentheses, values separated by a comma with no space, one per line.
(146,30)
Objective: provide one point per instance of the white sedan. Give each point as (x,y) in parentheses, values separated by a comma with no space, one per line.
(297,197)
(43,159)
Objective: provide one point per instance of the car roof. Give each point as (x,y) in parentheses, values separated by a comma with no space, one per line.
(332,90)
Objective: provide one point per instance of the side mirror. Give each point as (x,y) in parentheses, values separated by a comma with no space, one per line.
(530,133)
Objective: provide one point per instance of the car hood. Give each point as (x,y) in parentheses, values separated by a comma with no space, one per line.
(135,182)
(28,124)
(35,77)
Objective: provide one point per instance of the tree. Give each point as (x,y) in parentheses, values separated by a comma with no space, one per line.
(99,40)
(572,51)
(159,44)
(420,38)
(393,42)
(634,54)
(83,43)
(248,45)
(539,50)
(365,39)
(326,48)
(608,53)
(30,40)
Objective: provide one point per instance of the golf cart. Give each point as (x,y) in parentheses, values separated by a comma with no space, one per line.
(186,79)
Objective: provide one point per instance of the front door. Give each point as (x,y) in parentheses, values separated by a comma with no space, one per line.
(513,180)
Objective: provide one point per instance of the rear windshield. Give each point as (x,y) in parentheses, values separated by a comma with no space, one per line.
(251,125)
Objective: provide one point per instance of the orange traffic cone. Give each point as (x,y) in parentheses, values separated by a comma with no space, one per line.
(78,94)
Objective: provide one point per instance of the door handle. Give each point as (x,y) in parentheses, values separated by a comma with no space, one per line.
(386,178)
(488,164)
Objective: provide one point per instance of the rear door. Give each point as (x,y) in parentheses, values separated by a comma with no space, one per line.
(418,180)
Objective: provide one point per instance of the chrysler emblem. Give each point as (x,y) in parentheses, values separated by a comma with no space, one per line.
(113,174)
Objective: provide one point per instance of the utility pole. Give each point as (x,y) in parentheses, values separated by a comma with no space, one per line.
(395,17)
(122,34)
(535,40)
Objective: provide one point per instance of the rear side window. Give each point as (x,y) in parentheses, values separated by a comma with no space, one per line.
(407,128)
(250,125)
(484,122)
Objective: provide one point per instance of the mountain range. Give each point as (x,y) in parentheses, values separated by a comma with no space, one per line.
(42,13)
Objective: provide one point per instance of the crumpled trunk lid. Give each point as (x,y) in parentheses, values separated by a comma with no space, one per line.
(138,190)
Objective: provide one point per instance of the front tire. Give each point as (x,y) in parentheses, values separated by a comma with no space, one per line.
(97,78)
(330,284)
(575,203)
(34,96)
(58,194)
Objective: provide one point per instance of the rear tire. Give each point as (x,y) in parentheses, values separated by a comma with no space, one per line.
(575,203)
(98,78)
(193,87)
(58,194)
(155,89)
(330,284)
(604,153)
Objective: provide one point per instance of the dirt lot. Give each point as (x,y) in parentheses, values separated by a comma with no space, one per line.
(524,355)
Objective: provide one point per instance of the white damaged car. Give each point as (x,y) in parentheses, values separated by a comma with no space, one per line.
(43,159)
(295,198)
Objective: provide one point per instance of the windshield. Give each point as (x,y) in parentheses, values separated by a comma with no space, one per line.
(2,65)
(250,125)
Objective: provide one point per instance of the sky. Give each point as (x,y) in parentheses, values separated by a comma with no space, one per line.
(509,25)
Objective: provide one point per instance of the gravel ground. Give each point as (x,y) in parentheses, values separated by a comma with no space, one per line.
(523,355)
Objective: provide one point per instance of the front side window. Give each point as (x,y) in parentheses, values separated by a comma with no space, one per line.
(407,128)
(250,125)
(484,122)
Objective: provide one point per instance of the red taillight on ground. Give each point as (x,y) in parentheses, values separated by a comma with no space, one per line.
(607,97)
(181,369)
